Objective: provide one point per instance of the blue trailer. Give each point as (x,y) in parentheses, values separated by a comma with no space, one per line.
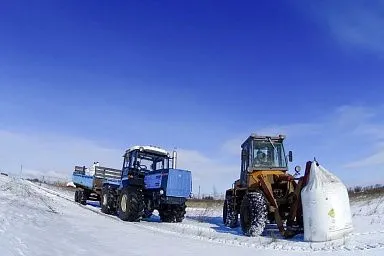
(89,186)
(149,181)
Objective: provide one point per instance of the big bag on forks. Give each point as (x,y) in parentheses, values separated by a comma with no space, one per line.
(326,208)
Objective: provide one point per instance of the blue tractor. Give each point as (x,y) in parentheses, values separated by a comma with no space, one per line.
(149,181)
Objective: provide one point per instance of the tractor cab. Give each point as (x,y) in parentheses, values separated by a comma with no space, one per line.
(260,153)
(142,160)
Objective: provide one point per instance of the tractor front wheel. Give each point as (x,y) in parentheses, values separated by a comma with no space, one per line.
(253,213)
(107,203)
(130,206)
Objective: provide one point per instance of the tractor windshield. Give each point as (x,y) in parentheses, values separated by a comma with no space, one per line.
(146,161)
(268,154)
(153,162)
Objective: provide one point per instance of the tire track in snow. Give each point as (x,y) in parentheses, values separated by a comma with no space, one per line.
(368,233)
(180,229)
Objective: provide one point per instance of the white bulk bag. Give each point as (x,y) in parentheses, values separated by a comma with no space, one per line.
(92,169)
(86,172)
(326,209)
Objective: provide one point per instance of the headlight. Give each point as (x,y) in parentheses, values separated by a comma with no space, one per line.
(161,192)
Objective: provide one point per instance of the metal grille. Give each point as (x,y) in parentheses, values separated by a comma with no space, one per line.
(79,170)
(107,173)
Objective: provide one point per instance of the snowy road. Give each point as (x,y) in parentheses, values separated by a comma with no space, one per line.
(39,221)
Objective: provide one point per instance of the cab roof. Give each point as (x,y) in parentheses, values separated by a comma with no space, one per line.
(149,149)
(255,136)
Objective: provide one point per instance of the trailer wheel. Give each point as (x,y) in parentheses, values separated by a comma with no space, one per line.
(253,213)
(230,216)
(80,196)
(83,197)
(76,196)
(130,205)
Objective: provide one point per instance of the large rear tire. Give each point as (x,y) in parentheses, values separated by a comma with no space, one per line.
(172,213)
(166,213)
(130,206)
(180,212)
(253,213)
(107,203)
(230,216)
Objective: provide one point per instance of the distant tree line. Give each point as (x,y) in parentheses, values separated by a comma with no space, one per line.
(366,190)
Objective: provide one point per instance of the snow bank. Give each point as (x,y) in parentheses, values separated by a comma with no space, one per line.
(44,220)
(71,184)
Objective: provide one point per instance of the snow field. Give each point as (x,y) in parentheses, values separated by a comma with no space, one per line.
(40,220)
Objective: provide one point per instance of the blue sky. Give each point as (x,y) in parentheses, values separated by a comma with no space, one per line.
(196,75)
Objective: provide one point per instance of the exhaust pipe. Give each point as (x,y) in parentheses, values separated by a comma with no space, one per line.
(174,159)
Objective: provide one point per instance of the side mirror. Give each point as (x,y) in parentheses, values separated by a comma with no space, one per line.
(297,170)
(290,157)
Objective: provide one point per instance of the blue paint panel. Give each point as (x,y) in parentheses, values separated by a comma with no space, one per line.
(84,180)
(179,183)
(164,180)
(175,182)
(112,182)
(153,181)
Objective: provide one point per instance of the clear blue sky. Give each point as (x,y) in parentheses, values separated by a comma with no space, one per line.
(191,74)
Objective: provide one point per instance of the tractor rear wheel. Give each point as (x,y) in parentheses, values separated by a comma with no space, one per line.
(230,216)
(166,213)
(180,212)
(253,213)
(130,207)
(106,204)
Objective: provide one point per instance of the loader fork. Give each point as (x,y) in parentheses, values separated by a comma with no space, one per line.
(275,208)
(296,207)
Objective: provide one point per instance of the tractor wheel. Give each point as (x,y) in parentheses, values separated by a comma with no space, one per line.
(105,202)
(180,212)
(76,196)
(130,205)
(83,197)
(230,216)
(167,214)
(253,213)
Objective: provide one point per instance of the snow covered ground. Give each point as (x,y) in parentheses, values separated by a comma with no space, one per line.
(40,220)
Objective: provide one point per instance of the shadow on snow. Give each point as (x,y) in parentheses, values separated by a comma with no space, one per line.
(271,230)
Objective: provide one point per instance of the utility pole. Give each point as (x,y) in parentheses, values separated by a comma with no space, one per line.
(199,192)
(21,170)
